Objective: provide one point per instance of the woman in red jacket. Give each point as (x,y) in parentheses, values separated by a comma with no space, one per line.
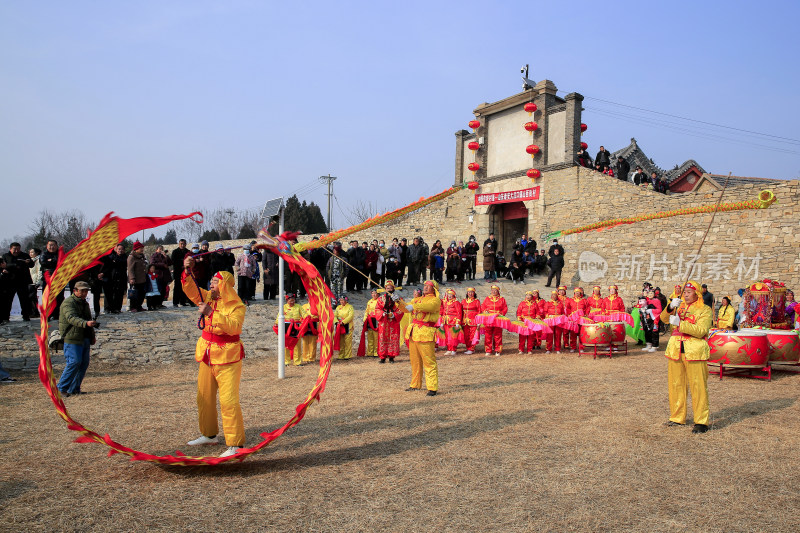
(493,336)
(450,316)
(554,309)
(528,308)
(613,304)
(596,302)
(470,307)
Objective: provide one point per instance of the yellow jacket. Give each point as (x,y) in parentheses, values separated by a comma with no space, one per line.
(370,308)
(426,310)
(305,310)
(725,317)
(692,331)
(219,344)
(294,312)
(344,313)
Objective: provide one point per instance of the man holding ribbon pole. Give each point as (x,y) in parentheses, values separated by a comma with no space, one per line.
(688,352)
(219,352)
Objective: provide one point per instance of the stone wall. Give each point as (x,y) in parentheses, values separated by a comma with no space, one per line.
(742,246)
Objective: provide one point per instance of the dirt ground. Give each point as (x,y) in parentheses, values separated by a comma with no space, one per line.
(511,443)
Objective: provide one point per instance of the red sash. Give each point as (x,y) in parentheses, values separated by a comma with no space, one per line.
(219,339)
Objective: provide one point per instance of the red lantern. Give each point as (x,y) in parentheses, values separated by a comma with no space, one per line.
(531,127)
(530,107)
(584,127)
(474,167)
(533,173)
(472,185)
(584,146)
(473,146)
(532,149)
(474,124)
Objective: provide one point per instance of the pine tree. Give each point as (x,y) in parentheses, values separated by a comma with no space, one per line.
(316,222)
(225,235)
(171,237)
(246,232)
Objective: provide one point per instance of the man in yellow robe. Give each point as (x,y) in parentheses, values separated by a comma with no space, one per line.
(219,352)
(420,335)
(687,352)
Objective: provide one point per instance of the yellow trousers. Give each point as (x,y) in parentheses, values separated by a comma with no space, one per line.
(225,379)
(372,340)
(287,354)
(423,356)
(309,348)
(693,374)
(346,346)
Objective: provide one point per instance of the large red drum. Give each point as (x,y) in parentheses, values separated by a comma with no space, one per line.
(784,346)
(746,347)
(595,335)
(617,332)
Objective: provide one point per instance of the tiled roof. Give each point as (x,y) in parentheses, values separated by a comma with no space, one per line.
(742,180)
(634,155)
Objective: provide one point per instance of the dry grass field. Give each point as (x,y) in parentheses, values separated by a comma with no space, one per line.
(515,443)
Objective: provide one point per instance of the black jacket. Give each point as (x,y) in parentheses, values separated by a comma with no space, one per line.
(623,168)
(20,267)
(556,262)
(178,256)
(556,247)
(48,261)
(115,268)
(603,158)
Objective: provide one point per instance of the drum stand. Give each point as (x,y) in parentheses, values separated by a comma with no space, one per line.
(603,350)
(620,348)
(786,366)
(743,370)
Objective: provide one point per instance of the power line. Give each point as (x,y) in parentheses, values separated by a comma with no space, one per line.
(776,137)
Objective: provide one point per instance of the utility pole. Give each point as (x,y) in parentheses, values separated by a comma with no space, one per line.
(329,179)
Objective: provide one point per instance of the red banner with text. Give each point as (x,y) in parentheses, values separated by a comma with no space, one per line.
(508,196)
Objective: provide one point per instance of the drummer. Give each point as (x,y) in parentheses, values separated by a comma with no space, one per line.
(595,305)
(688,352)
(726,314)
(613,303)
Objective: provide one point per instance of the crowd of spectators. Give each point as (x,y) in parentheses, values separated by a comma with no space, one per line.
(621,170)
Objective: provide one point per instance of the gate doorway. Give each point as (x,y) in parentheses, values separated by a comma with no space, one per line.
(515,224)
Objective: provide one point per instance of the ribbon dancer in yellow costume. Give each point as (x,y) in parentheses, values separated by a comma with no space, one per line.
(219,352)
(420,335)
(688,352)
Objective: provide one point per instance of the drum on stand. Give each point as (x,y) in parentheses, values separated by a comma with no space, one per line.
(784,346)
(743,348)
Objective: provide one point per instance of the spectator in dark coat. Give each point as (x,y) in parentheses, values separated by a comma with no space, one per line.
(623,169)
(555,246)
(115,279)
(584,159)
(556,263)
(269,265)
(137,277)
(19,264)
(603,159)
(639,176)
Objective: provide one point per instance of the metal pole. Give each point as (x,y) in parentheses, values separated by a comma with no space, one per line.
(281,320)
(329,179)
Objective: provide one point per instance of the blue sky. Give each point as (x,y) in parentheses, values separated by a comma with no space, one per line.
(152,108)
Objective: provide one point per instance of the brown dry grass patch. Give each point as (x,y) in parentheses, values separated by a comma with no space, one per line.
(516,443)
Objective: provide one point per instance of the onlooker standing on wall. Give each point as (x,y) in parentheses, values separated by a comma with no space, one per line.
(623,169)
(137,277)
(48,260)
(178,255)
(603,159)
(639,177)
(115,279)
(19,265)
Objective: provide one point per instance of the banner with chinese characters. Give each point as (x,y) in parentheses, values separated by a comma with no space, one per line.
(508,196)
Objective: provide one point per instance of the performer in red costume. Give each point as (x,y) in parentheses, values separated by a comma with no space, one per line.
(389,312)
(553,309)
(470,306)
(596,300)
(576,307)
(613,304)
(450,316)
(493,337)
(564,299)
(528,308)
